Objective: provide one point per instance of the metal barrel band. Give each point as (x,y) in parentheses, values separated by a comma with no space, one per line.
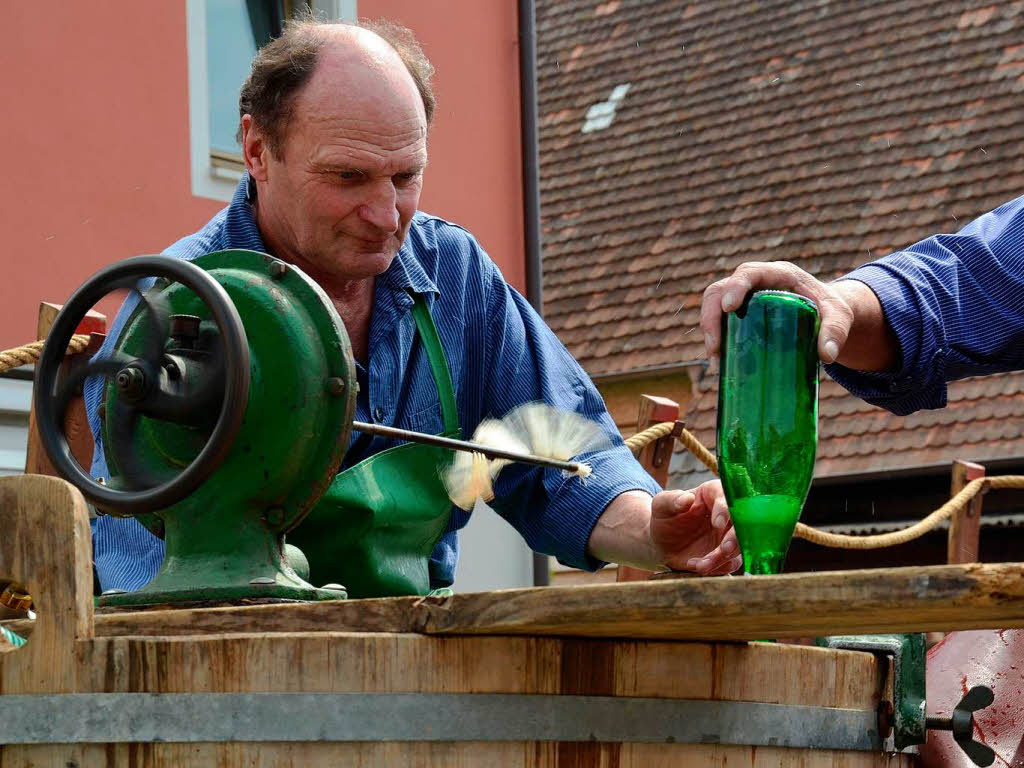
(100,718)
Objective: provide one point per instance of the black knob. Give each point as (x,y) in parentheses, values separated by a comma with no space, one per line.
(185,329)
(961,723)
(131,382)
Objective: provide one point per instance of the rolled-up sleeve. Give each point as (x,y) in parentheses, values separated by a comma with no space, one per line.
(956,305)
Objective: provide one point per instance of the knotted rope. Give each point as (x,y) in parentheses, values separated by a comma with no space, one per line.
(838,540)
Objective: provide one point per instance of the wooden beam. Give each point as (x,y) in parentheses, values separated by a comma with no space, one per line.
(45,547)
(93,322)
(921,599)
(965,526)
(655,458)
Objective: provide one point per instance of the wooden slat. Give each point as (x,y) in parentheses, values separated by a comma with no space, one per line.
(45,547)
(944,597)
(654,458)
(964,527)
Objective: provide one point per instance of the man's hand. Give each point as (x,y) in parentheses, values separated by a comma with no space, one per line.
(691,531)
(683,530)
(854,331)
(727,295)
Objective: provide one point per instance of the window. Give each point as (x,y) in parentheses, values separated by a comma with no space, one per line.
(223,37)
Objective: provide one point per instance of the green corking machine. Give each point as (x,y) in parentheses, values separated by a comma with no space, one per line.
(227,410)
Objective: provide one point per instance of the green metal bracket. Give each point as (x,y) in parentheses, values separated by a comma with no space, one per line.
(908,685)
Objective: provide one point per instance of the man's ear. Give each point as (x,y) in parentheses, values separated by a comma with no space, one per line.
(255,150)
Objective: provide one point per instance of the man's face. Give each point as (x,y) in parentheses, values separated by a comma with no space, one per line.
(339,200)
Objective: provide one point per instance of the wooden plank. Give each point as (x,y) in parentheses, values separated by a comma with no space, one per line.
(655,458)
(964,527)
(920,599)
(45,546)
(93,322)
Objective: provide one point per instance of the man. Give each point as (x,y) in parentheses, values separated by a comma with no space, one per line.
(333,128)
(894,332)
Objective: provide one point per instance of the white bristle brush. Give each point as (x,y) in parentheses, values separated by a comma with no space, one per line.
(535,428)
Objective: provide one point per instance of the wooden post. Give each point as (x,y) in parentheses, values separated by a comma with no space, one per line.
(76,426)
(655,458)
(965,526)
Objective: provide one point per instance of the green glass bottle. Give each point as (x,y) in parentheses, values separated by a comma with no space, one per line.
(768,421)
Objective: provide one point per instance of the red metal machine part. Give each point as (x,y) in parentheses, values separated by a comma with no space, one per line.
(985,657)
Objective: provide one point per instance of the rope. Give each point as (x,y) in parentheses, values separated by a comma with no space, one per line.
(29,353)
(839,540)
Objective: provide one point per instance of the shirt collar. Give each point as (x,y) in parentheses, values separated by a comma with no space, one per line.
(406,273)
(241,228)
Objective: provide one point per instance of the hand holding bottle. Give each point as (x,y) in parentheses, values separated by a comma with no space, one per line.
(853,333)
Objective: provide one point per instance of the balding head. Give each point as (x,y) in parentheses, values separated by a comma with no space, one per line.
(365,57)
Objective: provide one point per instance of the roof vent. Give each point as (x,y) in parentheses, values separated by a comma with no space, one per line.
(600,115)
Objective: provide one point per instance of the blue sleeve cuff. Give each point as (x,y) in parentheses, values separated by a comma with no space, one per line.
(576,504)
(919,382)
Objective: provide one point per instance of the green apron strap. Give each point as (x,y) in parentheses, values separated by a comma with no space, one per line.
(438,364)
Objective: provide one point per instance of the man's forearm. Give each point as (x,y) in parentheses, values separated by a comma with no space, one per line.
(872,345)
(623,532)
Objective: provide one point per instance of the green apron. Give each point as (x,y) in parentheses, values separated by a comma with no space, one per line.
(375,528)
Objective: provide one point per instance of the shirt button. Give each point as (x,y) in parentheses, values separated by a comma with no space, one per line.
(378,413)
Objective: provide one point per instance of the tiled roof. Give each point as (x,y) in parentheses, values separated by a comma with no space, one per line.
(821,133)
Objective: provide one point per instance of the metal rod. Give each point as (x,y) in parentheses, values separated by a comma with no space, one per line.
(465,445)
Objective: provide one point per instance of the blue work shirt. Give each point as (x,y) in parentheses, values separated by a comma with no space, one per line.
(956,304)
(500,354)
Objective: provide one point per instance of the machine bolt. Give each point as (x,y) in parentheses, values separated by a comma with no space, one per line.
(131,382)
(333,587)
(262,581)
(278,269)
(336,385)
(185,329)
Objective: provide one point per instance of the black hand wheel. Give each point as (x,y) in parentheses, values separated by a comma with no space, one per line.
(131,374)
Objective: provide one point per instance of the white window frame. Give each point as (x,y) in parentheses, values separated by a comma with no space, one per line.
(215,175)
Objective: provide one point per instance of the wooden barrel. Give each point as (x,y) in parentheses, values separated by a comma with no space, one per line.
(297,685)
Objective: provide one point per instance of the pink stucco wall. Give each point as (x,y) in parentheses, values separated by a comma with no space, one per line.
(96,138)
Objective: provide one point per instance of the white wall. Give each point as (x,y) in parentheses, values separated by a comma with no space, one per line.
(492,554)
(15,401)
